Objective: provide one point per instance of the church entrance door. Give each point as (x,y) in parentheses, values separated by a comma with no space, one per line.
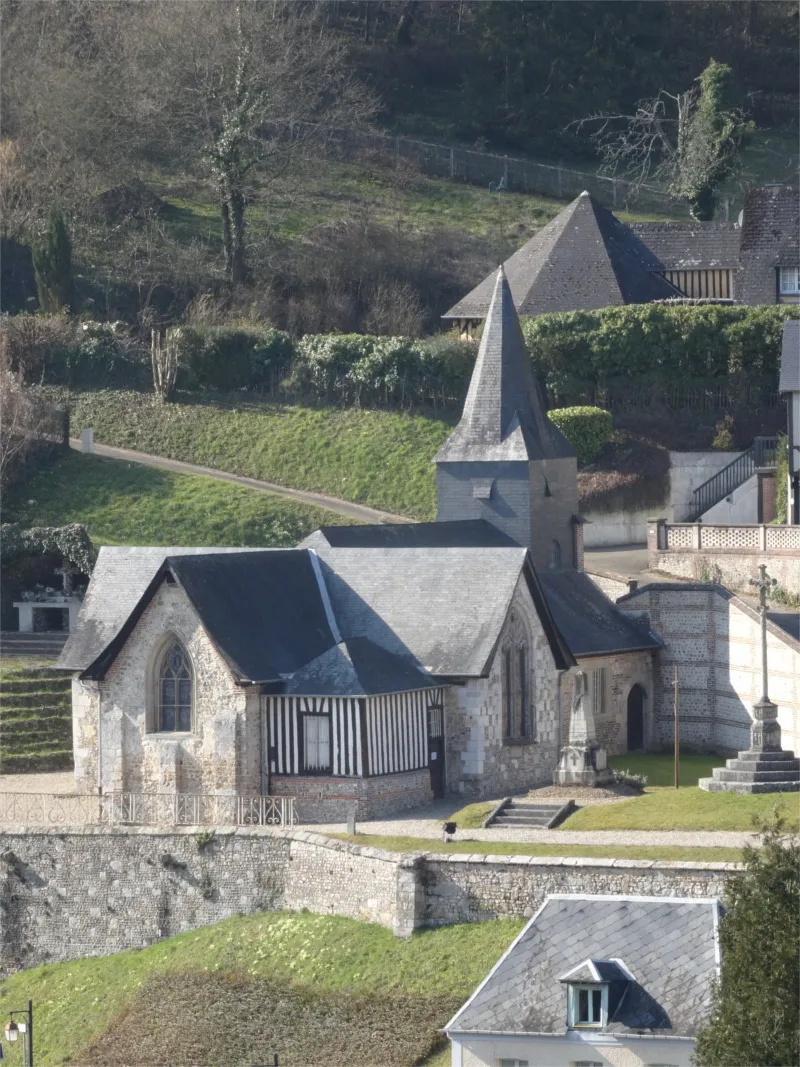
(635,718)
(436,750)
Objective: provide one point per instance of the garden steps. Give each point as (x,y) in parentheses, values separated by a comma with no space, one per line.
(35,719)
(524,815)
(14,644)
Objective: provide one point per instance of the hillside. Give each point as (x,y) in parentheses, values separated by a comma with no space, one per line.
(319,990)
(126,504)
(379,458)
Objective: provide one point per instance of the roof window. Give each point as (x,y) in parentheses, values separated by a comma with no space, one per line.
(592,986)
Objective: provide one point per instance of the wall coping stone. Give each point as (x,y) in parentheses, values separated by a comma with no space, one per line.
(404,859)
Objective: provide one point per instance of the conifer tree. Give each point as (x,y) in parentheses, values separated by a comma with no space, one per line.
(755,1018)
(52,264)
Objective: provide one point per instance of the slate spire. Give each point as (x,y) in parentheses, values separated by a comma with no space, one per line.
(504,417)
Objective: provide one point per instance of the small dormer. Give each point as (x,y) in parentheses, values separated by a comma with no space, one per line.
(595,989)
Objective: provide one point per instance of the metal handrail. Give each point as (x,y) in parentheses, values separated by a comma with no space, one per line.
(762,453)
(146,809)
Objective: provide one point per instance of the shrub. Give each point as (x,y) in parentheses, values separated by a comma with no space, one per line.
(587,430)
(240,357)
(723,437)
(626,777)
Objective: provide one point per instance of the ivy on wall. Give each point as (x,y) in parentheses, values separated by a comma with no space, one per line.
(71,542)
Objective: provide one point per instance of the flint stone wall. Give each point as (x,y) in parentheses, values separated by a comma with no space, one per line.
(92,891)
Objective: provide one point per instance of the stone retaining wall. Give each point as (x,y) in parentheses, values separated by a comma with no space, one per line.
(92,891)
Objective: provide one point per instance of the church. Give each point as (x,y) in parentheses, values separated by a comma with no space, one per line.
(375,666)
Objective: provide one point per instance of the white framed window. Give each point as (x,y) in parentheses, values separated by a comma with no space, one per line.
(316,743)
(587,1005)
(504,1061)
(790,279)
(598,683)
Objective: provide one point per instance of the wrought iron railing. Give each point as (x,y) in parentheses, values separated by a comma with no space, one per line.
(762,453)
(145,809)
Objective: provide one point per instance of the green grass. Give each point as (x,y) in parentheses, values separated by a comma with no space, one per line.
(659,766)
(379,458)
(328,961)
(127,504)
(517,848)
(471,816)
(685,809)
(35,718)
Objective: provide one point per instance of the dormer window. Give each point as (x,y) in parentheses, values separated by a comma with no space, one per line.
(588,1005)
(595,989)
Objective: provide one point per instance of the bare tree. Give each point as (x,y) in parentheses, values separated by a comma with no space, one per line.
(687,141)
(24,419)
(164,359)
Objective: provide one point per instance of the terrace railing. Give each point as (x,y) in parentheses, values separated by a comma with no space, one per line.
(761,454)
(145,809)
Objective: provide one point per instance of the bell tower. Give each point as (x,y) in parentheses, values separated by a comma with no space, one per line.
(505,462)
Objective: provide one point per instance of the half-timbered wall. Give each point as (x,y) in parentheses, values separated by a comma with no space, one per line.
(369,736)
(700,283)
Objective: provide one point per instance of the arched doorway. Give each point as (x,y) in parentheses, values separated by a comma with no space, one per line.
(635,718)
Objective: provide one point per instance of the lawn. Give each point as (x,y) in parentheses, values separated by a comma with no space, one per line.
(662,807)
(516,848)
(379,458)
(317,990)
(127,504)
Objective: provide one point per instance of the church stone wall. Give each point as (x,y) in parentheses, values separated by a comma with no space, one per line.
(220,755)
(68,893)
(620,673)
(324,799)
(479,761)
(714,640)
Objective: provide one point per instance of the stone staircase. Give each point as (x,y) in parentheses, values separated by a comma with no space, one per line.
(756,772)
(525,815)
(47,645)
(35,719)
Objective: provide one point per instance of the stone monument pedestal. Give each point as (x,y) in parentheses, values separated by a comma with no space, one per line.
(765,767)
(582,765)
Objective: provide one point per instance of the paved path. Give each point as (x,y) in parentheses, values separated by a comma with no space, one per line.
(318,500)
(427,822)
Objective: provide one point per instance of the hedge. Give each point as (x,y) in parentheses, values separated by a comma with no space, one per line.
(580,351)
(587,430)
(239,357)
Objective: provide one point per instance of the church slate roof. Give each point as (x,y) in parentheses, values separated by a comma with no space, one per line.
(584,258)
(588,621)
(691,245)
(358,667)
(120,578)
(504,417)
(463,533)
(267,613)
(669,945)
(790,357)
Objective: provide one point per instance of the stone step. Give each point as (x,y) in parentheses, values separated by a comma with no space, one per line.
(712,785)
(753,766)
(34,684)
(39,646)
(527,820)
(725,774)
(781,756)
(516,805)
(56,698)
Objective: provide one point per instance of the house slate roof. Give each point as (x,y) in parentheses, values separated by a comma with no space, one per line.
(584,258)
(770,239)
(790,357)
(504,418)
(690,245)
(462,533)
(669,945)
(590,624)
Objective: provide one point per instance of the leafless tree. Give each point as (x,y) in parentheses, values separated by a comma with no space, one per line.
(164,359)
(24,418)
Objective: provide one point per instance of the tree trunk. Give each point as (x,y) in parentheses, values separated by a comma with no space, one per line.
(232,213)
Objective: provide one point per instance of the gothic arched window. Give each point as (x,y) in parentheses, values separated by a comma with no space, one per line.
(174,690)
(519,717)
(555,554)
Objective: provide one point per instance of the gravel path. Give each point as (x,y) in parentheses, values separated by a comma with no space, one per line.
(53,782)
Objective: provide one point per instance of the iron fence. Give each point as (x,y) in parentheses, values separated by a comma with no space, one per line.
(145,809)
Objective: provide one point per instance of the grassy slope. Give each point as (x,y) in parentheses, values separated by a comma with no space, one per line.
(35,718)
(380,458)
(323,955)
(688,808)
(123,503)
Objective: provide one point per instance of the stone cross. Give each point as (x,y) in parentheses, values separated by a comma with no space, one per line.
(66,570)
(765,733)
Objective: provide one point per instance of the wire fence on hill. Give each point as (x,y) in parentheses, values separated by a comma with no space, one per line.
(490,170)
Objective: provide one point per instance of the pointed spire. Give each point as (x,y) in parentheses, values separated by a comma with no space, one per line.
(504,416)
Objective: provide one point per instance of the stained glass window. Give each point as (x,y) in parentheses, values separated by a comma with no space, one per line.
(175,691)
